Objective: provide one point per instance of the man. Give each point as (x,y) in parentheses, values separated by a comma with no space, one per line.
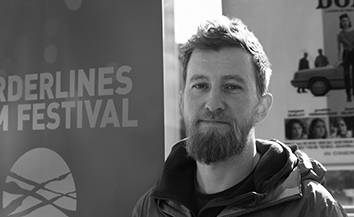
(303,64)
(345,39)
(221,169)
(321,60)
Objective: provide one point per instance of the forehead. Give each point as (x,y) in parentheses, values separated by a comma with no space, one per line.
(224,62)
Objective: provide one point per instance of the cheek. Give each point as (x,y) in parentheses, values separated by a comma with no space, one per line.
(245,115)
(192,103)
(189,108)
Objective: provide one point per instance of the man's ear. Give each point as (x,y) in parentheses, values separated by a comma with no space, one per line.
(264,105)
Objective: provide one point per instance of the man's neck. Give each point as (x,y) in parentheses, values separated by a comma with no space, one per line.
(220,176)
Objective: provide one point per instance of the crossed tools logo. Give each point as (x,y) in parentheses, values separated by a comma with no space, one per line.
(40,183)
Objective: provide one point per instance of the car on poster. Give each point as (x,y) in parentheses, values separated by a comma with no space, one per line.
(319,80)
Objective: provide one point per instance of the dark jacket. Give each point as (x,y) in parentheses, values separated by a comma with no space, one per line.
(288,183)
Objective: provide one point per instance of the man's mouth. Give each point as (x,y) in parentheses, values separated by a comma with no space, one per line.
(213,122)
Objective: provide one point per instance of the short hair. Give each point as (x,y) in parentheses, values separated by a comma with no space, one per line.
(340,20)
(227,32)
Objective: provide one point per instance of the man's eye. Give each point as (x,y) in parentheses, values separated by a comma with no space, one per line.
(200,86)
(232,87)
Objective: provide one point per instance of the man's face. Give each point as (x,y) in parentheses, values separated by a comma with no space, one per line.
(219,103)
(345,22)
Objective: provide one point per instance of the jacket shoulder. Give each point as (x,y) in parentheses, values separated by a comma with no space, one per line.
(145,206)
(318,201)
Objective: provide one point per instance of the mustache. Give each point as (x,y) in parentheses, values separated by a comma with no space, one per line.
(214,116)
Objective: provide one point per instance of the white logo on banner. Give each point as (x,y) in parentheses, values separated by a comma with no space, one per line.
(40,183)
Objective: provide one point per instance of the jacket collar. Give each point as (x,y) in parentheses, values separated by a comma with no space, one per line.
(276,163)
(177,180)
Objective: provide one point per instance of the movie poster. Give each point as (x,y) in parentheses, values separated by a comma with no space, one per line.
(328,130)
(312,106)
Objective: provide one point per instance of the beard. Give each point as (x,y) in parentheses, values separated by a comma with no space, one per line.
(215,145)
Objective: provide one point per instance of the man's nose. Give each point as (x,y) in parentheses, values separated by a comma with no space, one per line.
(215,101)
